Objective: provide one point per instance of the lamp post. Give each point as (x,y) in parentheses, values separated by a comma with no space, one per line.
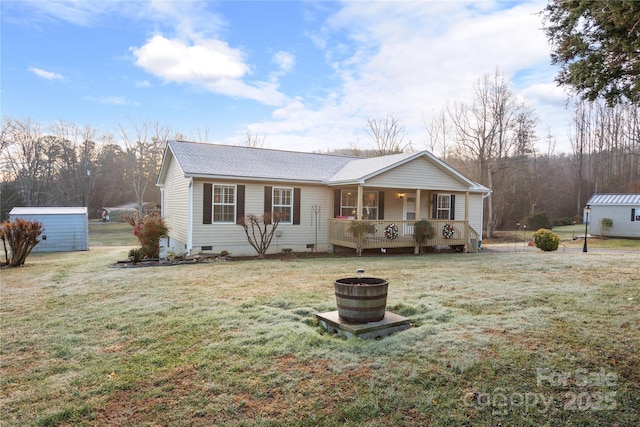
(587,211)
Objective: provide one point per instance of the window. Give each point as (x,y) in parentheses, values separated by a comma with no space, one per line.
(283,203)
(349,204)
(224,204)
(443,206)
(370,205)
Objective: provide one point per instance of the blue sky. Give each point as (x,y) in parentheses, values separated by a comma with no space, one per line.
(304,75)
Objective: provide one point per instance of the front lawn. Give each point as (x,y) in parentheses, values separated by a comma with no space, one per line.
(517,339)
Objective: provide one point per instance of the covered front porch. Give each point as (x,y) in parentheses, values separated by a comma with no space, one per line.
(457,234)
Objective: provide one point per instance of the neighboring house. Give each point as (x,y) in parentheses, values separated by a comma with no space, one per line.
(205,188)
(622,209)
(63,229)
(117,213)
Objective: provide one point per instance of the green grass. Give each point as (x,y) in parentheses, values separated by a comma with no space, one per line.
(571,236)
(111,234)
(518,339)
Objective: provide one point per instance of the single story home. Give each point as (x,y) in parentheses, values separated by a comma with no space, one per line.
(205,188)
(622,209)
(64,229)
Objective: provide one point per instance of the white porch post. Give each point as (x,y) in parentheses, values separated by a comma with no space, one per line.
(466,206)
(416,248)
(359,203)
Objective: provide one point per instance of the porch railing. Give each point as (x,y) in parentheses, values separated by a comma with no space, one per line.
(446,233)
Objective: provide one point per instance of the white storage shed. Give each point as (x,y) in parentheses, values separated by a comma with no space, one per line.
(622,209)
(65,229)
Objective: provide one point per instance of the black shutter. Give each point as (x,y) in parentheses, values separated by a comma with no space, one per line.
(381,205)
(267,202)
(239,203)
(207,203)
(633,214)
(434,207)
(452,214)
(296,206)
(337,200)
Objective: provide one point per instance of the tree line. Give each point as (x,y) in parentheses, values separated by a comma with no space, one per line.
(71,165)
(491,140)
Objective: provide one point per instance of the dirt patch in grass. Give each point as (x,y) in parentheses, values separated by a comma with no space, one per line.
(316,391)
(141,403)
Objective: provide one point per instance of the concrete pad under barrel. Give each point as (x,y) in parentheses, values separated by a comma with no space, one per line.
(391,323)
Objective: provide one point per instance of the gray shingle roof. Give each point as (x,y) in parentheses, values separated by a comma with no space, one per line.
(361,168)
(215,160)
(614,199)
(200,159)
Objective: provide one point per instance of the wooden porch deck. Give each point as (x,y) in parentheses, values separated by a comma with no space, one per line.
(463,235)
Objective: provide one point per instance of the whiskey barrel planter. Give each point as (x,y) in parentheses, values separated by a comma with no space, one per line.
(361,299)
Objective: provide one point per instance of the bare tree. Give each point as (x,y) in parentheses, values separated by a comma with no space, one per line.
(25,161)
(144,144)
(438,134)
(77,156)
(5,133)
(253,140)
(388,135)
(488,131)
(260,230)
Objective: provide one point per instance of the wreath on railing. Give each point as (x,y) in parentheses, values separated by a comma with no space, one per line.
(391,231)
(448,231)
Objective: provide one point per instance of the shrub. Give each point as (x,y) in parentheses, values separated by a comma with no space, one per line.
(256,228)
(358,229)
(135,255)
(605,226)
(148,230)
(422,231)
(538,220)
(21,236)
(546,240)
(562,221)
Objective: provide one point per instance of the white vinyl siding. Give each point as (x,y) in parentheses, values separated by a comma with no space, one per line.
(418,174)
(231,237)
(176,202)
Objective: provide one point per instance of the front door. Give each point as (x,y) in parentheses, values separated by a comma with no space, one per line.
(409,212)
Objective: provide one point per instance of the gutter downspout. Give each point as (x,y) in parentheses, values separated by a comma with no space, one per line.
(190,217)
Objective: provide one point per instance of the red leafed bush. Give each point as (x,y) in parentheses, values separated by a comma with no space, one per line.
(148,230)
(21,236)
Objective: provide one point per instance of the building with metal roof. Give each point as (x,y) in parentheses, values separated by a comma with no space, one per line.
(623,209)
(64,229)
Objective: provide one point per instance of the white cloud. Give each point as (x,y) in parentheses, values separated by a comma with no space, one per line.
(284,60)
(113,100)
(49,75)
(413,58)
(206,62)
(177,61)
